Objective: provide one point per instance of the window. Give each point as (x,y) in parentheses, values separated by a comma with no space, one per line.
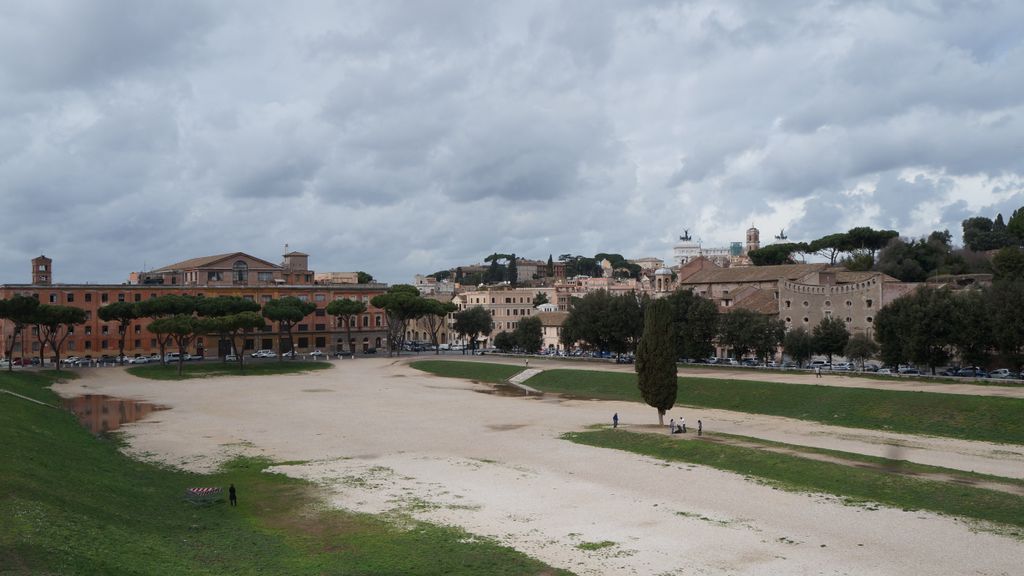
(321,341)
(120,297)
(104,330)
(788,319)
(249,344)
(138,329)
(138,343)
(265,298)
(88,330)
(868,302)
(828,303)
(320,312)
(265,276)
(807,320)
(137,298)
(88,297)
(366,321)
(303,342)
(103,298)
(869,319)
(249,297)
(320,327)
(304,297)
(848,319)
(849,303)
(303,327)
(376,321)
(152,342)
(88,344)
(212,276)
(240,272)
(53,298)
(71,297)
(788,303)
(104,344)
(320,297)
(71,344)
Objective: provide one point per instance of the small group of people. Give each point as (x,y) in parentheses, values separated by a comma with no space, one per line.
(673,428)
(680,427)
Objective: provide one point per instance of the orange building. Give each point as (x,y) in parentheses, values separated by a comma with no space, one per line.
(235,274)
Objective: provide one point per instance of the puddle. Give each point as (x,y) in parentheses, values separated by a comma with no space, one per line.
(503,390)
(317,390)
(99,413)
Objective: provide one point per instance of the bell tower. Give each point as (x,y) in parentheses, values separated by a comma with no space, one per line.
(42,271)
(753,238)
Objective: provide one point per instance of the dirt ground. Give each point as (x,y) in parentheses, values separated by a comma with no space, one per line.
(380,436)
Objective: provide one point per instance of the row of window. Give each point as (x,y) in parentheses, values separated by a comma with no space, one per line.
(848,320)
(828,303)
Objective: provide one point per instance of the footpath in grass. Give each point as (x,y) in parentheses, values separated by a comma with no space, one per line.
(856,484)
(984,418)
(71,504)
(216,368)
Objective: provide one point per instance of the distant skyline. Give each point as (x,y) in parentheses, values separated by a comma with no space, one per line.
(408,137)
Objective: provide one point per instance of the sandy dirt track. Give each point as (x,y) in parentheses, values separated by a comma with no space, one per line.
(380,436)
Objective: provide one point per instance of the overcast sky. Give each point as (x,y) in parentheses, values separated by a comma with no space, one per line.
(407,137)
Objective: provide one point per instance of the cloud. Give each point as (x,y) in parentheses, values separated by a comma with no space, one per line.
(400,137)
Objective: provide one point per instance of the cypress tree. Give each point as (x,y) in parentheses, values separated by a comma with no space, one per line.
(656,359)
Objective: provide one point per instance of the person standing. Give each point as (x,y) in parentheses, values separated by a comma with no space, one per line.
(615,420)
(672,426)
(700,427)
(232,495)
(817,371)
(682,424)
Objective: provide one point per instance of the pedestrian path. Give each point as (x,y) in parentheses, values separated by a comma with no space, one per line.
(523,376)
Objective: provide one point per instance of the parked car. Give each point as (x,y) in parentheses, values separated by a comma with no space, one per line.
(1001,373)
(139,360)
(972,373)
(819,364)
(749,362)
(844,366)
(172,356)
(317,354)
(624,359)
(871,367)
(909,370)
(288,354)
(70,360)
(370,351)
(951,371)
(884,371)
(231,357)
(264,354)
(790,364)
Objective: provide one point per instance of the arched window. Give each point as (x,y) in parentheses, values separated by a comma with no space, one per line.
(240,272)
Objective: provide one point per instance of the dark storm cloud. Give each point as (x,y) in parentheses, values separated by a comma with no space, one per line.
(144,133)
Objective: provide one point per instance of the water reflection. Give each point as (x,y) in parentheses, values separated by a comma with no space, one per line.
(99,413)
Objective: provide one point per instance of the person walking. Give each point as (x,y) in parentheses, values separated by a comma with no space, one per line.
(682,424)
(817,371)
(232,495)
(615,420)
(672,426)
(700,427)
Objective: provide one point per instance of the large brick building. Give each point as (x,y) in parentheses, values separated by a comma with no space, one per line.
(234,274)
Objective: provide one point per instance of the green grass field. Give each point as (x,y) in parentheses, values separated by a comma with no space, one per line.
(480,371)
(207,369)
(72,504)
(958,416)
(856,484)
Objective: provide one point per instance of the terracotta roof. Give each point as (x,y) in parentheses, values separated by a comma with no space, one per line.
(207,260)
(847,277)
(552,318)
(755,300)
(753,273)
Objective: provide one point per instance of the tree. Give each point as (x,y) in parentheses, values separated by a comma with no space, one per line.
(163,307)
(916,260)
(347,310)
(972,334)
(513,270)
(1008,264)
(889,322)
(124,313)
(775,254)
(695,324)
(363,278)
(20,310)
(471,323)
(504,341)
(540,298)
(601,321)
(1015,226)
(529,335)
(55,324)
(287,312)
(1006,310)
(982,234)
(228,330)
(860,347)
(830,337)
(830,246)
(799,344)
(656,359)
(769,334)
(401,303)
(231,327)
(868,241)
(182,328)
(551,267)
(739,331)
(434,314)
(920,327)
